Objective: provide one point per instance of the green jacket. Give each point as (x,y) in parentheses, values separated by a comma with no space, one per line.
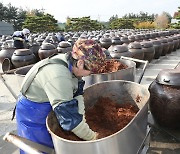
(55,83)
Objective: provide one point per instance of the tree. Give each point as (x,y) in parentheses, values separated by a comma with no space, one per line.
(142,16)
(177,17)
(162,21)
(45,23)
(113,18)
(144,25)
(2,12)
(21,16)
(82,24)
(121,24)
(10,13)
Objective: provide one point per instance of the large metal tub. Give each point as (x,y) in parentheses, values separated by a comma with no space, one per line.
(124,74)
(126,141)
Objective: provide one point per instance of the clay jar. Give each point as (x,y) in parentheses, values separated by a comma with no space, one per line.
(39,41)
(6,53)
(131,38)
(116,41)
(34,49)
(22,57)
(64,47)
(171,44)
(105,42)
(124,40)
(165,45)
(158,48)
(120,50)
(46,50)
(176,42)
(165,99)
(136,49)
(148,50)
(178,36)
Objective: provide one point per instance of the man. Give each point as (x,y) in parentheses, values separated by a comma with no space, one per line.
(20,37)
(55,83)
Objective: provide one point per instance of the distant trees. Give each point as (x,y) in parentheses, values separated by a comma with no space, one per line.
(131,20)
(82,24)
(162,21)
(36,20)
(41,23)
(177,17)
(142,16)
(144,25)
(121,24)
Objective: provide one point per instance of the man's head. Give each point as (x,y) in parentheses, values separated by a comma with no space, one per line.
(26,31)
(90,52)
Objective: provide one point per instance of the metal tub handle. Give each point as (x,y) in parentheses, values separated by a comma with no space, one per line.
(140,61)
(27,145)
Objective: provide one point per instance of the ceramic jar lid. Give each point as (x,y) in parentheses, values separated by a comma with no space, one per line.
(105,39)
(135,45)
(22,52)
(120,48)
(146,44)
(47,46)
(169,77)
(64,44)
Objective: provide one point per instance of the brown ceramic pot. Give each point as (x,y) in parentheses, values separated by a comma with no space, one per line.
(6,53)
(22,57)
(165,99)
(148,50)
(46,50)
(105,42)
(158,48)
(64,47)
(120,50)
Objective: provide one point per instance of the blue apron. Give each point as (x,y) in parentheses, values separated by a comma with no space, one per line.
(31,121)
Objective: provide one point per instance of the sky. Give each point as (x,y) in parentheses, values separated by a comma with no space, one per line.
(100,10)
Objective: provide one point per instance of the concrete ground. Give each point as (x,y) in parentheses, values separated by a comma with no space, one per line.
(162,141)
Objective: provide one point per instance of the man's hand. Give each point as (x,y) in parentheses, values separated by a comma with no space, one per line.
(96,136)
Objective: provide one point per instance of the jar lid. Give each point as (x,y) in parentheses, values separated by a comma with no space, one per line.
(105,39)
(169,77)
(22,52)
(64,44)
(146,44)
(120,48)
(135,45)
(47,46)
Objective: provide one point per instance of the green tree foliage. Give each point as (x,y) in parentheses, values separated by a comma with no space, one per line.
(82,24)
(144,25)
(142,16)
(177,25)
(2,11)
(21,16)
(121,24)
(42,23)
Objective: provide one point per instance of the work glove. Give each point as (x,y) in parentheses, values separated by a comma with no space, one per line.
(96,136)
(80,90)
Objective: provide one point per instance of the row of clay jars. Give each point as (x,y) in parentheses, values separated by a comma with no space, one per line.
(133,50)
(144,50)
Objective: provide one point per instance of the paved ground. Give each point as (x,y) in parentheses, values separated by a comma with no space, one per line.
(161,141)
